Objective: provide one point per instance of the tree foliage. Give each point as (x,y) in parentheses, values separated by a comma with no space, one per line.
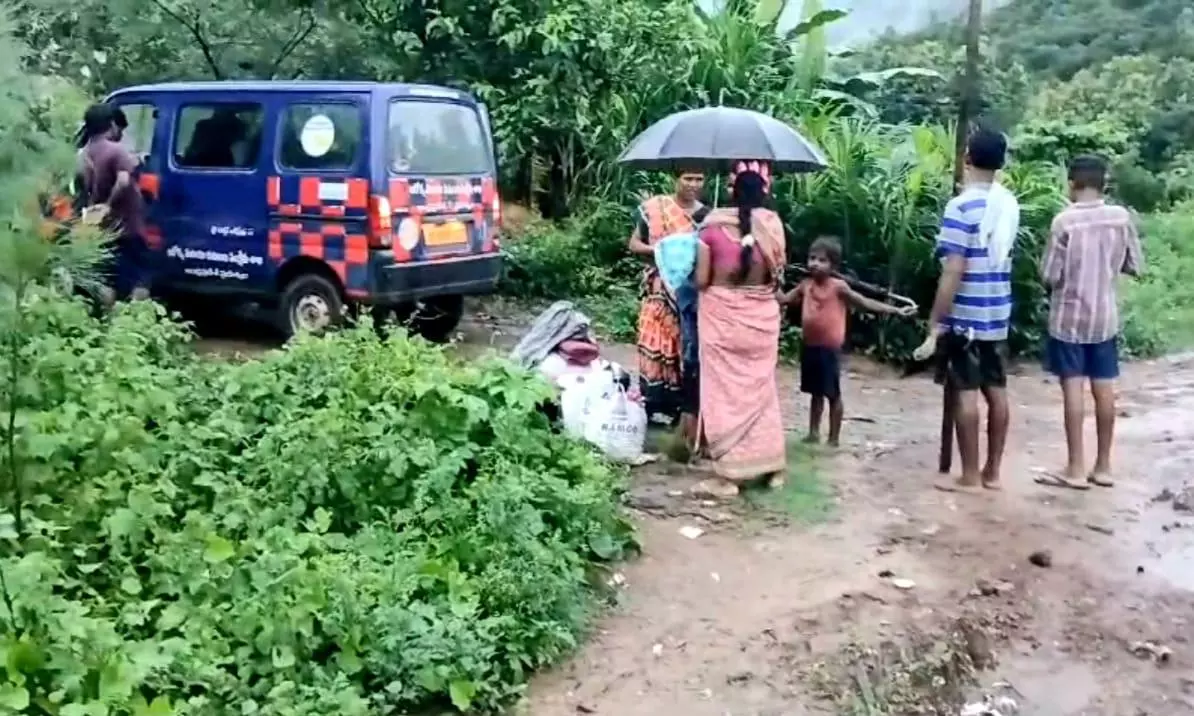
(1106,76)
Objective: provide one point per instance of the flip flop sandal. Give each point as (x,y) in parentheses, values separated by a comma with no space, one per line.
(1051,480)
(1100,480)
(955,486)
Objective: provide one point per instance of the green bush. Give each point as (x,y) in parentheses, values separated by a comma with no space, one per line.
(347,526)
(1158,309)
(583,259)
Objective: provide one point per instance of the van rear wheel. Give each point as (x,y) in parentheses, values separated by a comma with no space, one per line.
(310,303)
(434,318)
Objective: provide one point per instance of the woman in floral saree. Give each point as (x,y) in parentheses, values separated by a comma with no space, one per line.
(659,334)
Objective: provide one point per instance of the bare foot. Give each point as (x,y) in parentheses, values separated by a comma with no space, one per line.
(716,488)
(1100,478)
(812,439)
(833,442)
(991,480)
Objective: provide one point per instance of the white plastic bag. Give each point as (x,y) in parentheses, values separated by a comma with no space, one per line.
(553,366)
(576,392)
(616,424)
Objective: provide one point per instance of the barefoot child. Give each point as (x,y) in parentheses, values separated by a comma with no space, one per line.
(1090,245)
(824,300)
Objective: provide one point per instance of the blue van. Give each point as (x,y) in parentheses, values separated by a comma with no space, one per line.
(306,199)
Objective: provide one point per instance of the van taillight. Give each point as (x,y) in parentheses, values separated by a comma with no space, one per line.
(381,222)
(496,233)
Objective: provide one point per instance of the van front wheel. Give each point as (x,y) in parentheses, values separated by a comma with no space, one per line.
(310,303)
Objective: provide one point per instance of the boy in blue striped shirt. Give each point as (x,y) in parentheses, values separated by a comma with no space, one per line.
(970,316)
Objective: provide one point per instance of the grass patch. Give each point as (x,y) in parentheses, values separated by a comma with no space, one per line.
(806,498)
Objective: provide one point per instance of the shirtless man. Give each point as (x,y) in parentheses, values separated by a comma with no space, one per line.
(107,169)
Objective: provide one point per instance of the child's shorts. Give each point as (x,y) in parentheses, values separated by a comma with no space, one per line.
(820,371)
(1096,361)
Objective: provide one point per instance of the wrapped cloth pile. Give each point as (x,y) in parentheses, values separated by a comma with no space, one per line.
(599,401)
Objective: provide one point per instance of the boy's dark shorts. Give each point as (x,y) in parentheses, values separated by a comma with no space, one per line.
(821,371)
(1096,361)
(970,364)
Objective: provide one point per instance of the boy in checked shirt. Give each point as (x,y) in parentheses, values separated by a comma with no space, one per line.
(1091,244)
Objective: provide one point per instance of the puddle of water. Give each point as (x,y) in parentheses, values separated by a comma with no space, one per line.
(1051,686)
(1176,566)
(1165,554)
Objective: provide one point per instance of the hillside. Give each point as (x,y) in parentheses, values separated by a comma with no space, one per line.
(1058,38)
(1065,77)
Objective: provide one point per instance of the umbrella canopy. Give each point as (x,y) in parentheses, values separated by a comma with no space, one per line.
(714,138)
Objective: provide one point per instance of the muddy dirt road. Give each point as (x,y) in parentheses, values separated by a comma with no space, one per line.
(763,612)
(739,620)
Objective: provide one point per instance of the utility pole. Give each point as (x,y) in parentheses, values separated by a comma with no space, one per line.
(967,110)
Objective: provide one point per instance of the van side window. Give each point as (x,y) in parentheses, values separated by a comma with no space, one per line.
(138,135)
(323,136)
(218,135)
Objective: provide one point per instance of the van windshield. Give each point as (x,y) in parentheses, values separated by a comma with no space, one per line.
(428,137)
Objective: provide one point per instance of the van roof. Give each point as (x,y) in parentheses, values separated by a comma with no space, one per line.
(291,86)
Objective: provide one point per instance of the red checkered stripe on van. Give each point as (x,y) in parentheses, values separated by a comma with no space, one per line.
(417,197)
(317,196)
(346,253)
(423,196)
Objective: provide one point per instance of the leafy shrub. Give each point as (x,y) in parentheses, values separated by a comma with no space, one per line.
(1158,309)
(576,257)
(347,526)
(584,260)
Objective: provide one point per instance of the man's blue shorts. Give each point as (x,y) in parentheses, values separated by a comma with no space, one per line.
(1096,361)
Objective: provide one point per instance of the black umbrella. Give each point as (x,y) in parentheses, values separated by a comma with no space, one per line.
(715,138)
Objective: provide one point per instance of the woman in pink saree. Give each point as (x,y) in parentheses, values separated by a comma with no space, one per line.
(740,260)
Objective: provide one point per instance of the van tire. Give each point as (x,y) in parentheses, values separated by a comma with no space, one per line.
(309,302)
(435,318)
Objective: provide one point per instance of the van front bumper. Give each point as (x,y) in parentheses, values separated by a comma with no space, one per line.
(392,283)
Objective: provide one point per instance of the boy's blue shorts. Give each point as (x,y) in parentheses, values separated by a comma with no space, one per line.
(1096,361)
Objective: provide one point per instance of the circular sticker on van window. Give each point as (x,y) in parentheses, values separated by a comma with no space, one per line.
(318,135)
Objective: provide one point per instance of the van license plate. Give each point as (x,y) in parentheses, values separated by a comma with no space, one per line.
(452,232)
